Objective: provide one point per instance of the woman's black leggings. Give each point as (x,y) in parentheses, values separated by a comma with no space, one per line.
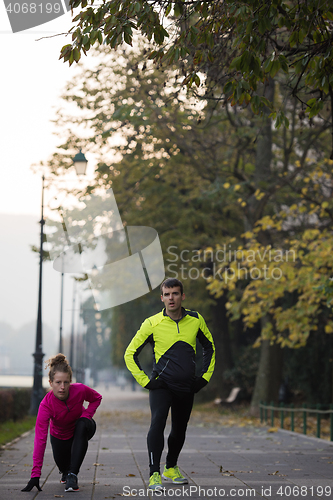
(161,400)
(69,453)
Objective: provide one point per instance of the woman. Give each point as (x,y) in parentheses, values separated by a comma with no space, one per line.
(71,425)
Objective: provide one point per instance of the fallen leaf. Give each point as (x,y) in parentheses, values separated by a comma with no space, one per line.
(59,496)
(97,464)
(272,429)
(130,475)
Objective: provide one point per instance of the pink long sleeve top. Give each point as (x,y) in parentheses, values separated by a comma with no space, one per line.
(62,416)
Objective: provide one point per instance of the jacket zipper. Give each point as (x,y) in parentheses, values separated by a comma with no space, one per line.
(177,323)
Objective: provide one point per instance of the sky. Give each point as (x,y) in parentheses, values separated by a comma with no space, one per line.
(32,79)
(31,82)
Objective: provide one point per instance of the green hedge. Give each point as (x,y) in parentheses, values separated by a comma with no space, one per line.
(14,403)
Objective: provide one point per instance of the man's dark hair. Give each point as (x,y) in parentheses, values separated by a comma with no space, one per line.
(170,283)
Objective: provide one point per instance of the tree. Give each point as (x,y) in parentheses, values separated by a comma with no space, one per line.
(152,141)
(282,282)
(236,45)
(96,351)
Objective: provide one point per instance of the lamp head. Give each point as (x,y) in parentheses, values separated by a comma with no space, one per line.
(80,163)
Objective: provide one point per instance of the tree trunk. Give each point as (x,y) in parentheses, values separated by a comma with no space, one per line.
(263,162)
(270,365)
(224,358)
(269,375)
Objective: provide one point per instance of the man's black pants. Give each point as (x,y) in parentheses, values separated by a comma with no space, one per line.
(69,453)
(161,400)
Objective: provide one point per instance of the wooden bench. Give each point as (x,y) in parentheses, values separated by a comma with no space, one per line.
(230,399)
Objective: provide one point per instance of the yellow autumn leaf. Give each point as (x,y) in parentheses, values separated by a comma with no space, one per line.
(247,235)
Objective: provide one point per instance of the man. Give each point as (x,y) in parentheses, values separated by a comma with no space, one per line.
(172,334)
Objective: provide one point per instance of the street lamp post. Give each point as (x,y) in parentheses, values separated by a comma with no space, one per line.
(61,306)
(37,390)
(71,350)
(80,164)
(79,343)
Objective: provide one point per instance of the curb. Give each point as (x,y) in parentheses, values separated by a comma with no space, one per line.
(313,438)
(7,445)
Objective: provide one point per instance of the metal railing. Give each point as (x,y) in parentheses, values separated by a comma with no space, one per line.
(290,409)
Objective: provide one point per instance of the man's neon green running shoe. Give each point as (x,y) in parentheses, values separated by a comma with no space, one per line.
(155,482)
(173,474)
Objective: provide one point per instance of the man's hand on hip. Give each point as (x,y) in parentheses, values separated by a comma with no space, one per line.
(198,384)
(156,384)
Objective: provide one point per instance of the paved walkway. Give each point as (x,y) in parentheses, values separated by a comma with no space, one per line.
(219,462)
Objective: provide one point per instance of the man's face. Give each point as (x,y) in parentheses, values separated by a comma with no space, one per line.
(60,385)
(172,299)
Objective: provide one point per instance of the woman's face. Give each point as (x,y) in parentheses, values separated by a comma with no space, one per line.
(60,385)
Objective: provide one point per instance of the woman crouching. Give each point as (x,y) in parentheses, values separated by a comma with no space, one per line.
(71,425)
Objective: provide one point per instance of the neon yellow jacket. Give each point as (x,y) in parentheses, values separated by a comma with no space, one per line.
(174,349)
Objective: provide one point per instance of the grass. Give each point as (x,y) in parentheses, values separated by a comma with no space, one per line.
(207,414)
(311,425)
(10,430)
